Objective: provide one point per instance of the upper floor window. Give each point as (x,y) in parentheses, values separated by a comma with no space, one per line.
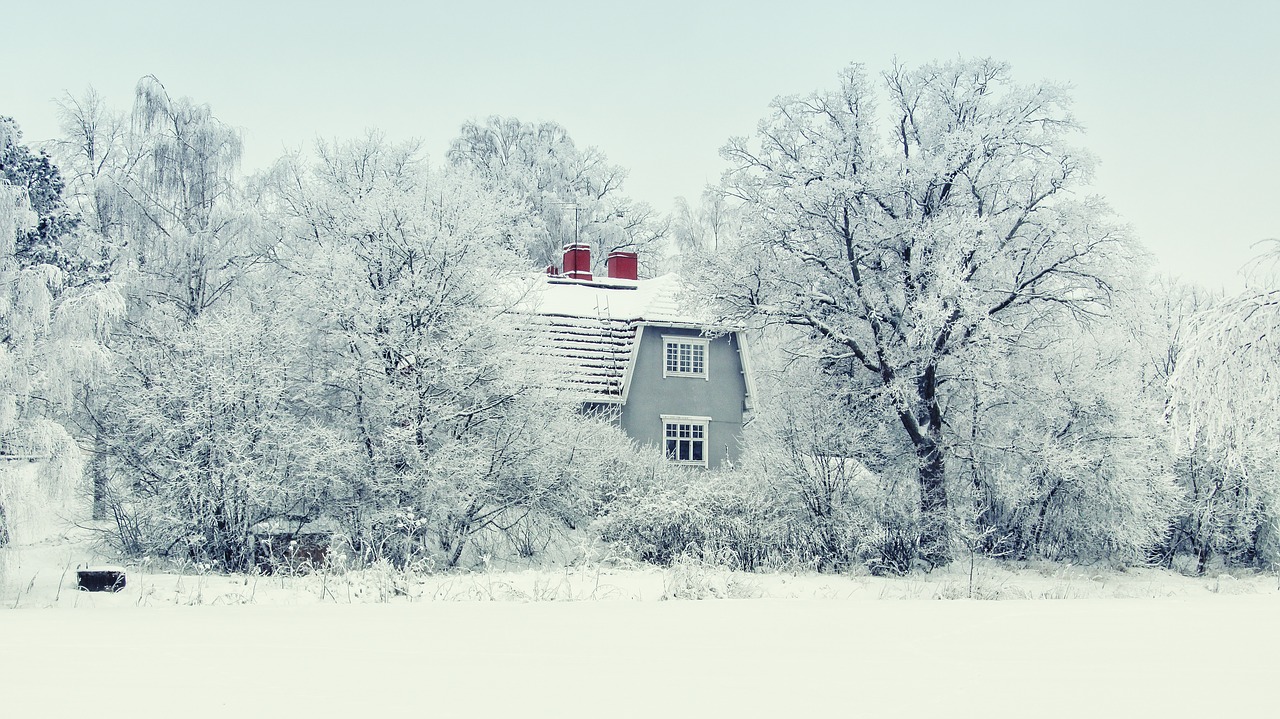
(684,356)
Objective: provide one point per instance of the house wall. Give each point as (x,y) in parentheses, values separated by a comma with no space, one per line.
(720,396)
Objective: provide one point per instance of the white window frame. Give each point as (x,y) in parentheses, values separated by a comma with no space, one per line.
(700,342)
(694,423)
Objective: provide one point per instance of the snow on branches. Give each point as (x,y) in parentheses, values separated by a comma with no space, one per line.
(914,239)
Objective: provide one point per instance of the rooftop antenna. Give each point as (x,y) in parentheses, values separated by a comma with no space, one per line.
(576,210)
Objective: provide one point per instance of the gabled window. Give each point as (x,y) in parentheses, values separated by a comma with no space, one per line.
(685,439)
(684,356)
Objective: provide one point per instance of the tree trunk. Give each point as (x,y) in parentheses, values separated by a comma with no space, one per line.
(926,437)
(935,525)
(1042,517)
(1203,552)
(98,472)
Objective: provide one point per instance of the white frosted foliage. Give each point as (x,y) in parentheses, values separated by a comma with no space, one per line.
(46,352)
(918,226)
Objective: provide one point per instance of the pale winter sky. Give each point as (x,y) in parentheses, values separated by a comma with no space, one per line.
(1180,99)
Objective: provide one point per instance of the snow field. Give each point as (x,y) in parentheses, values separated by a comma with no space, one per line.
(1207,657)
(597,640)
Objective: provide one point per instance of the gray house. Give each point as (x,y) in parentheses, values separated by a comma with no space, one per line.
(624,348)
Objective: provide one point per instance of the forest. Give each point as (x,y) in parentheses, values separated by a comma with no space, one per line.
(959,349)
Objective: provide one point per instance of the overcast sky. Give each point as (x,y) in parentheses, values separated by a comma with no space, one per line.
(1181,99)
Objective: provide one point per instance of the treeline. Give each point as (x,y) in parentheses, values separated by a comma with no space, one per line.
(957,351)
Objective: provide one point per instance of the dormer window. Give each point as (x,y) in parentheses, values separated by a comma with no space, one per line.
(684,356)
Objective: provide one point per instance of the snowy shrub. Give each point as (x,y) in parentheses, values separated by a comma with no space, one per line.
(889,550)
(667,512)
(207,442)
(1231,511)
(840,514)
(835,471)
(753,519)
(511,487)
(696,578)
(803,494)
(43,497)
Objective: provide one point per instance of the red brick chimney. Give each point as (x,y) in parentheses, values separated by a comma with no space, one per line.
(577,261)
(623,265)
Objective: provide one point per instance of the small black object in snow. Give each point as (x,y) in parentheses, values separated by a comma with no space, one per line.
(100,579)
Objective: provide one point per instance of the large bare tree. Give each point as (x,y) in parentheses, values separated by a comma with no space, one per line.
(911,237)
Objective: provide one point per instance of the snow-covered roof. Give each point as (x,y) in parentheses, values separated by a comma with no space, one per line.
(590,356)
(652,300)
(590,328)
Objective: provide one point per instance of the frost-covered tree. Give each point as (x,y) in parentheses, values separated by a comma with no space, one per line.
(1225,415)
(409,275)
(570,193)
(94,154)
(159,186)
(1063,449)
(187,237)
(215,440)
(709,227)
(55,236)
(913,238)
(182,240)
(53,319)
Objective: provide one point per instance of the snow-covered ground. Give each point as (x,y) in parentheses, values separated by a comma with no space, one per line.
(610,641)
(768,657)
